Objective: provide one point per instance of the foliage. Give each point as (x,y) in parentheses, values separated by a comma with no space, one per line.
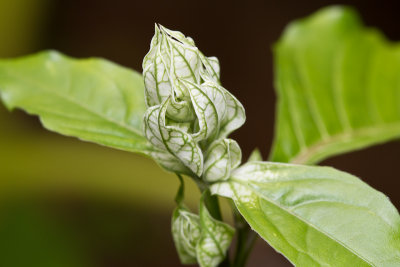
(310,213)
(338,87)
(92,99)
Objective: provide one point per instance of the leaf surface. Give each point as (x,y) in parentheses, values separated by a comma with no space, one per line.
(92,99)
(338,85)
(316,216)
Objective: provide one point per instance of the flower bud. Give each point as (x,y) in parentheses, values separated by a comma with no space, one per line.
(188,109)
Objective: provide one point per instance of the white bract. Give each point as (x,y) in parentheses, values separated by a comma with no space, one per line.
(215,239)
(189,113)
(186,233)
(200,239)
(222,156)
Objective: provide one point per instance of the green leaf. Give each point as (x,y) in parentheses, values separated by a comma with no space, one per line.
(216,237)
(316,216)
(338,85)
(92,99)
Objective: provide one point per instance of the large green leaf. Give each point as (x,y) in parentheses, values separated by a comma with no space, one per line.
(316,216)
(92,99)
(338,85)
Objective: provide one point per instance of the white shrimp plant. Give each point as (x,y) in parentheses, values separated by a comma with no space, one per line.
(338,88)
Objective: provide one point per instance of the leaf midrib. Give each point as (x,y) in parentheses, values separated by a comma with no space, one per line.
(304,156)
(298,218)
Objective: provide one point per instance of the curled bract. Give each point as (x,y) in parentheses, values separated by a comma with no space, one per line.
(186,232)
(189,112)
(221,157)
(200,238)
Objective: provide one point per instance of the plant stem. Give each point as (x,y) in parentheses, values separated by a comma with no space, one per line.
(213,207)
(246,238)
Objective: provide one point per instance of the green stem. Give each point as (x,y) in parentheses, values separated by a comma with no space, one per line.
(245,240)
(180,195)
(213,207)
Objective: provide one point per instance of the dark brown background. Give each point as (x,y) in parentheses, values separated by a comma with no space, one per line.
(240,34)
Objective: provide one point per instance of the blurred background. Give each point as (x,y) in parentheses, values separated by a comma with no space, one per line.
(68,203)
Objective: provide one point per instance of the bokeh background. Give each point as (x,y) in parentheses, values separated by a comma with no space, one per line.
(68,203)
